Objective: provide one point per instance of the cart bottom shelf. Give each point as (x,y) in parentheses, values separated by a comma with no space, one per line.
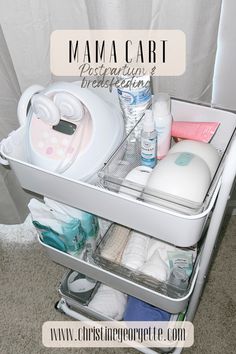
(69,305)
(81,313)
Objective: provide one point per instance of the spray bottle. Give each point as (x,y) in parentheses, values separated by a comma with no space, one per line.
(148,141)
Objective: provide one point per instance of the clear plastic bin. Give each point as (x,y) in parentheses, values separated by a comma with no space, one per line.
(127,157)
(137,276)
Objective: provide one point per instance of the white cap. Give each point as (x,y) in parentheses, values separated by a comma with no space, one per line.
(161,105)
(148,122)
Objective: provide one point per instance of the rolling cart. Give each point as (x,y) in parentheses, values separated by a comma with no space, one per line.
(172,226)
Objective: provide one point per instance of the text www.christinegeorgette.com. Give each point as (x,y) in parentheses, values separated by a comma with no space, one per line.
(117,334)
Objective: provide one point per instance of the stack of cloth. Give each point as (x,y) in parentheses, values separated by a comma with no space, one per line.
(116,243)
(113,304)
(138,310)
(109,302)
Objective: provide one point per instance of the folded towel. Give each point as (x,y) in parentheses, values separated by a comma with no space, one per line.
(164,249)
(109,302)
(156,267)
(138,310)
(161,246)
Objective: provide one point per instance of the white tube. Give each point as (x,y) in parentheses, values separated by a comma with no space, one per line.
(163,122)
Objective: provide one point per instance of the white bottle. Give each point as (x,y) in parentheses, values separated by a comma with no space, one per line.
(148,141)
(163,122)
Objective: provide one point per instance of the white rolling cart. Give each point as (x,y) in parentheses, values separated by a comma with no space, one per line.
(174,227)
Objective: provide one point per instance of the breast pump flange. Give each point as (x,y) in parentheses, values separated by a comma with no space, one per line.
(68,129)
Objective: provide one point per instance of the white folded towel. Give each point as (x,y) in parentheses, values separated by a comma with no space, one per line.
(161,246)
(109,302)
(156,267)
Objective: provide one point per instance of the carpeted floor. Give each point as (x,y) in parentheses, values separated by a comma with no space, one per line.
(28,293)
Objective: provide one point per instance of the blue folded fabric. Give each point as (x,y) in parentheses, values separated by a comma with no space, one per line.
(138,310)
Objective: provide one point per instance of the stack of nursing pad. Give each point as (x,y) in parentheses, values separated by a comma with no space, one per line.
(116,243)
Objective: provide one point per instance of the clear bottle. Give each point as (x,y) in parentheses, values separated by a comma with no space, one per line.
(179,278)
(134,99)
(163,122)
(148,141)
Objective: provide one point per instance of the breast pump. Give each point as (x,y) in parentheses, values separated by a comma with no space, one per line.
(69,130)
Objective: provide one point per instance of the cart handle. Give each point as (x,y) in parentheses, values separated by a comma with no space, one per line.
(62,305)
(229,172)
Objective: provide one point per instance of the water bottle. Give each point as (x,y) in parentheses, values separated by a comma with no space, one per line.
(134,97)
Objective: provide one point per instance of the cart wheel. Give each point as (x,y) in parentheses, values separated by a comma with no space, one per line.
(58,308)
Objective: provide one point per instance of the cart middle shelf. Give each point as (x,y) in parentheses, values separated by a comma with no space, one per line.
(159,294)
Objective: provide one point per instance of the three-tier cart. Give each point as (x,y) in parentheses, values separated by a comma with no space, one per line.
(172,226)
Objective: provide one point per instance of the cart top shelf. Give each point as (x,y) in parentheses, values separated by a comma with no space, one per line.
(158,221)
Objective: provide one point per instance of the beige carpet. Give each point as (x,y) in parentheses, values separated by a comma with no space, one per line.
(28,293)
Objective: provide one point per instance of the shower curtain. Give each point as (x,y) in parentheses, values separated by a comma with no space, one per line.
(13,200)
(27,25)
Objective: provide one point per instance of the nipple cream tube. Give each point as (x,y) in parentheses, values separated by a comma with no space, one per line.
(200,131)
